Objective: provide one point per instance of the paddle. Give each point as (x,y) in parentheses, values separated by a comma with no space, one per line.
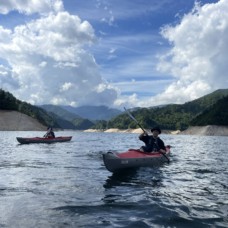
(133,118)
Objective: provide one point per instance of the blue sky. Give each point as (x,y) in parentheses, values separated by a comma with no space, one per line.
(113,52)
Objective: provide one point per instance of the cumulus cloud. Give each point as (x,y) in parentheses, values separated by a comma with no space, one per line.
(47,60)
(31,6)
(196,63)
(198,58)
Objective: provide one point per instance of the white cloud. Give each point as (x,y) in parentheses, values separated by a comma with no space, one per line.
(66,86)
(198,58)
(128,101)
(48,62)
(31,6)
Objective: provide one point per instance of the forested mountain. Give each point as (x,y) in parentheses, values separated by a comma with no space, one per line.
(58,110)
(94,113)
(217,114)
(211,109)
(175,116)
(168,117)
(206,101)
(9,102)
(47,115)
(67,119)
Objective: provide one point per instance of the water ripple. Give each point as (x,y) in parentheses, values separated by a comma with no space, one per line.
(67,185)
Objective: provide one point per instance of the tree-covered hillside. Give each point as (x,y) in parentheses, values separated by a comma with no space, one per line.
(94,113)
(174,116)
(206,101)
(9,102)
(67,119)
(217,114)
(168,117)
(211,109)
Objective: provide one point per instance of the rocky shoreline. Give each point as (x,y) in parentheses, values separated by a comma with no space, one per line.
(16,121)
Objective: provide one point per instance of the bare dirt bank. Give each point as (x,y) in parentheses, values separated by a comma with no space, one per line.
(209,130)
(16,121)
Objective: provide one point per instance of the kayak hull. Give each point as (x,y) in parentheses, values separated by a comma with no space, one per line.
(43,140)
(133,158)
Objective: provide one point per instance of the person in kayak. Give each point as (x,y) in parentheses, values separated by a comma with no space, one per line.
(50,133)
(152,142)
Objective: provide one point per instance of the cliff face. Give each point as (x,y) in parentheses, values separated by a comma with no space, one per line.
(16,121)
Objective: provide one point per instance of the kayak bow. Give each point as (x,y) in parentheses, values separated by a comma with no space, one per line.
(133,158)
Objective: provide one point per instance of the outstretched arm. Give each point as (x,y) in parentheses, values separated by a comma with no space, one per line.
(142,136)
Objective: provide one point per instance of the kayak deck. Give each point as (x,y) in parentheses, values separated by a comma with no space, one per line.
(132,153)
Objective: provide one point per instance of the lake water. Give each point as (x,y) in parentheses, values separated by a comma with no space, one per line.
(67,185)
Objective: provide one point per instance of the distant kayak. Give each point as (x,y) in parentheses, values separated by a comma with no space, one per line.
(43,140)
(134,158)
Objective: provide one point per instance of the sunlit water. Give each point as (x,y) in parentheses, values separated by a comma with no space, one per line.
(67,185)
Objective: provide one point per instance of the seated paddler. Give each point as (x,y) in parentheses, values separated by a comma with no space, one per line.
(152,142)
(50,133)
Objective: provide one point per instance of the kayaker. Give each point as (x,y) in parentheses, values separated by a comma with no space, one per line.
(152,142)
(50,133)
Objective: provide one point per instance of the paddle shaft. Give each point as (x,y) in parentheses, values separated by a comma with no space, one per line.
(132,117)
(164,155)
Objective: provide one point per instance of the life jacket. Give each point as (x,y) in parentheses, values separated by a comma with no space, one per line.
(153,144)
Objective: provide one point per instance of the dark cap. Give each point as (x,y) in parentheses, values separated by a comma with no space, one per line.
(156,129)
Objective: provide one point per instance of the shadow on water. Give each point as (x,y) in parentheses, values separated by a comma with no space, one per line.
(120,178)
(135,178)
(133,186)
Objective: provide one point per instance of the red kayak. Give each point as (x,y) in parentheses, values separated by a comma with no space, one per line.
(43,140)
(134,158)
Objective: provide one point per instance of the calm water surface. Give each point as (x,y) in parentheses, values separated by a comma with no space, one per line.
(67,185)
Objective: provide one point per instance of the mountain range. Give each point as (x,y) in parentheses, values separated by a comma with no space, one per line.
(209,109)
(79,118)
(94,113)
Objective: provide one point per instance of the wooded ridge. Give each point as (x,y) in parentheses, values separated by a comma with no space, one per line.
(211,109)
